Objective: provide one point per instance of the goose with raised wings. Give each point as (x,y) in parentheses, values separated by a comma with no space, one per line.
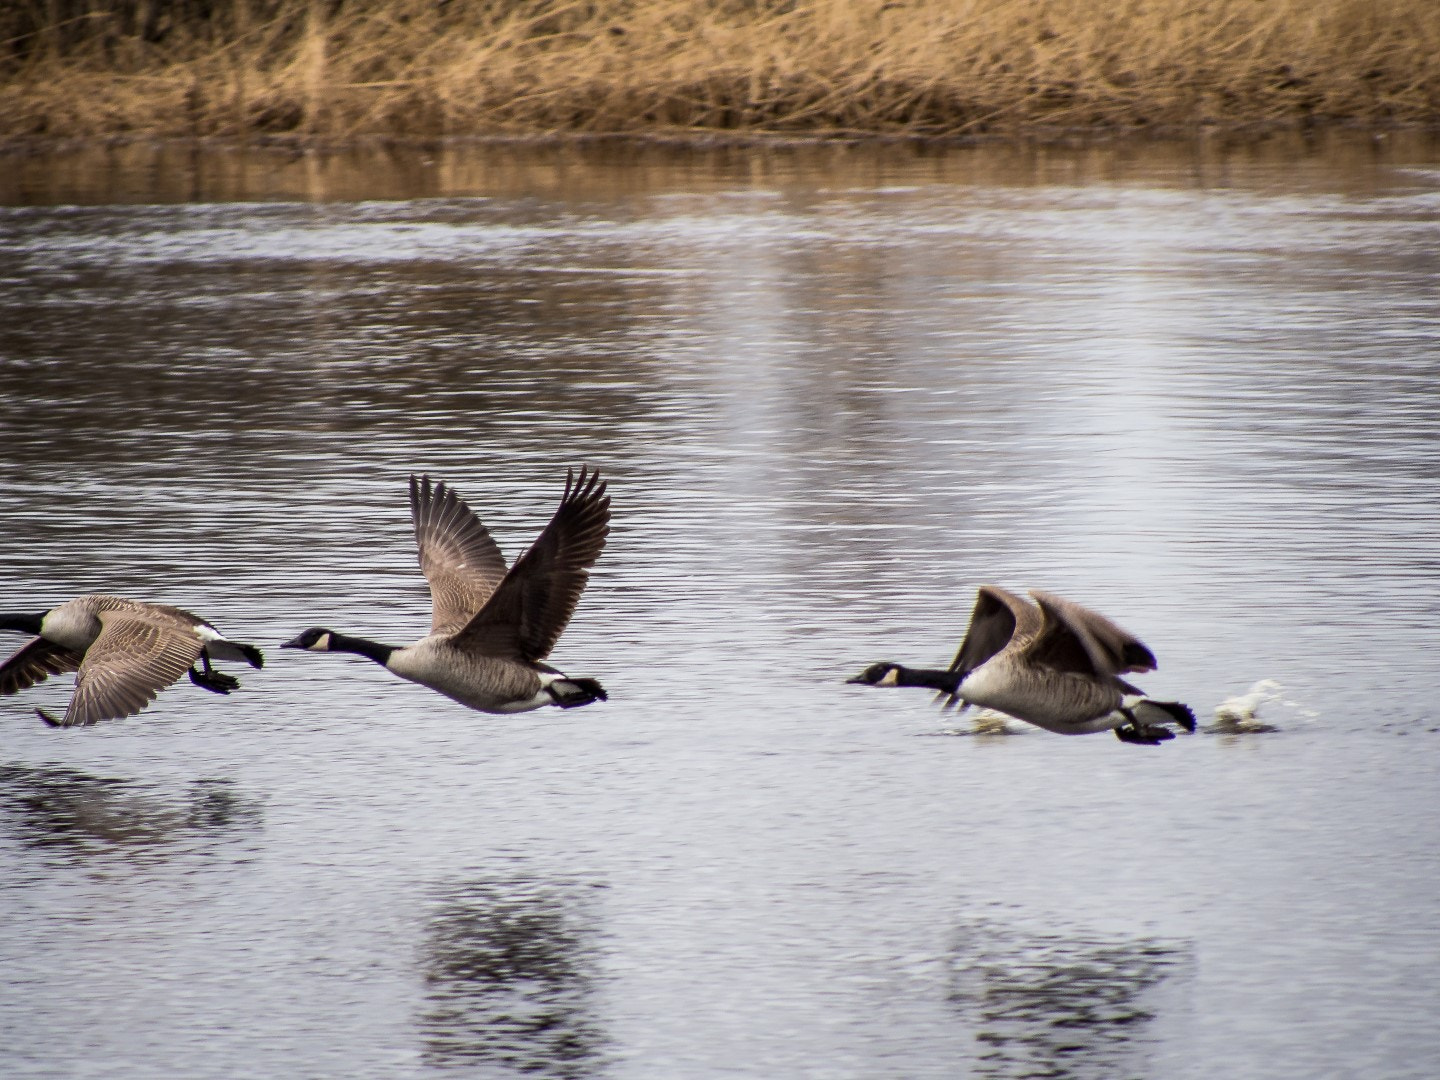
(1053,664)
(492,628)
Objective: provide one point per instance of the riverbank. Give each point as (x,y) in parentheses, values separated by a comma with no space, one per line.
(348,69)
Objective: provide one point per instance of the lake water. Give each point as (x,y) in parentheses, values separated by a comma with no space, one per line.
(833,390)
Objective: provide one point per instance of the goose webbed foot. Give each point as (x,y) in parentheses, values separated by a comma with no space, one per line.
(217,682)
(572,693)
(1143,734)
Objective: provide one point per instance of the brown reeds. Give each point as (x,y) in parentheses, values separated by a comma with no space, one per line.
(335,69)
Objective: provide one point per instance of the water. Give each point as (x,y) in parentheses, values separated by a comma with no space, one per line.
(833,391)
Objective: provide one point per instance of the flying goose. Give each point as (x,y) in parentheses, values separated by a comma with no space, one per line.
(125,651)
(1053,664)
(492,628)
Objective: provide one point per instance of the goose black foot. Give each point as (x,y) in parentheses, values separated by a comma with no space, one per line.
(1143,734)
(217,682)
(572,693)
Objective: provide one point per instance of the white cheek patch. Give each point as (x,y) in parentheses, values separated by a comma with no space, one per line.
(892,678)
(322,644)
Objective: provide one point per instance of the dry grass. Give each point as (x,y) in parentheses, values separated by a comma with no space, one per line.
(343,68)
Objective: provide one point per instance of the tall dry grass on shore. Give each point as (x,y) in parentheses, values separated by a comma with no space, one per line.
(335,69)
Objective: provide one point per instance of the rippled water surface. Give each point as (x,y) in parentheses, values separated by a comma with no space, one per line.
(833,390)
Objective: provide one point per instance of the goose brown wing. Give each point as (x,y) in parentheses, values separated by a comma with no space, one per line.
(33,663)
(527,613)
(1074,638)
(137,655)
(459,558)
(998,617)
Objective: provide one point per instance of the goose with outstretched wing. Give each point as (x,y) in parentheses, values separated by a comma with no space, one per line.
(124,652)
(1053,663)
(492,628)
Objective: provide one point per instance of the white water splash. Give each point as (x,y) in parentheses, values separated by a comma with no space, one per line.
(1240,715)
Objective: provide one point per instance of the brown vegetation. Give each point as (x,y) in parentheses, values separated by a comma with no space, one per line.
(343,68)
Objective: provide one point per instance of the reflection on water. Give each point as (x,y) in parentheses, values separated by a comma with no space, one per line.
(1060,1006)
(178,172)
(78,813)
(509,977)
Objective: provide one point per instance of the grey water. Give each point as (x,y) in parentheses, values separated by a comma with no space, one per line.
(833,390)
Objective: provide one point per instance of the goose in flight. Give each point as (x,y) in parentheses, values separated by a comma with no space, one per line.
(1053,664)
(492,627)
(125,652)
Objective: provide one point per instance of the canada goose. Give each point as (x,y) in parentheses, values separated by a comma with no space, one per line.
(1056,666)
(126,652)
(492,627)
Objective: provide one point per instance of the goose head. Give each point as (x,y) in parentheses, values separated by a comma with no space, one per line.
(882,674)
(316,639)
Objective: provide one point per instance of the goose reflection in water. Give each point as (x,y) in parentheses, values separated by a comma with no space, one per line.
(1078,1008)
(72,810)
(508,967)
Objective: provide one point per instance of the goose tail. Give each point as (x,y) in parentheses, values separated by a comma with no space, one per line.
(1162,713)
(1150,720)
(235,651)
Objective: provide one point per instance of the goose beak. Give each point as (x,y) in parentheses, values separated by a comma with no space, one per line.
(293,643)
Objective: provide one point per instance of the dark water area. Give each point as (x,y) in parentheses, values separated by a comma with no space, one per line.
(833,389)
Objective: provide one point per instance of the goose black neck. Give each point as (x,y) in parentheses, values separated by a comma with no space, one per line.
(24,623)
(361,647)
(934,679)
